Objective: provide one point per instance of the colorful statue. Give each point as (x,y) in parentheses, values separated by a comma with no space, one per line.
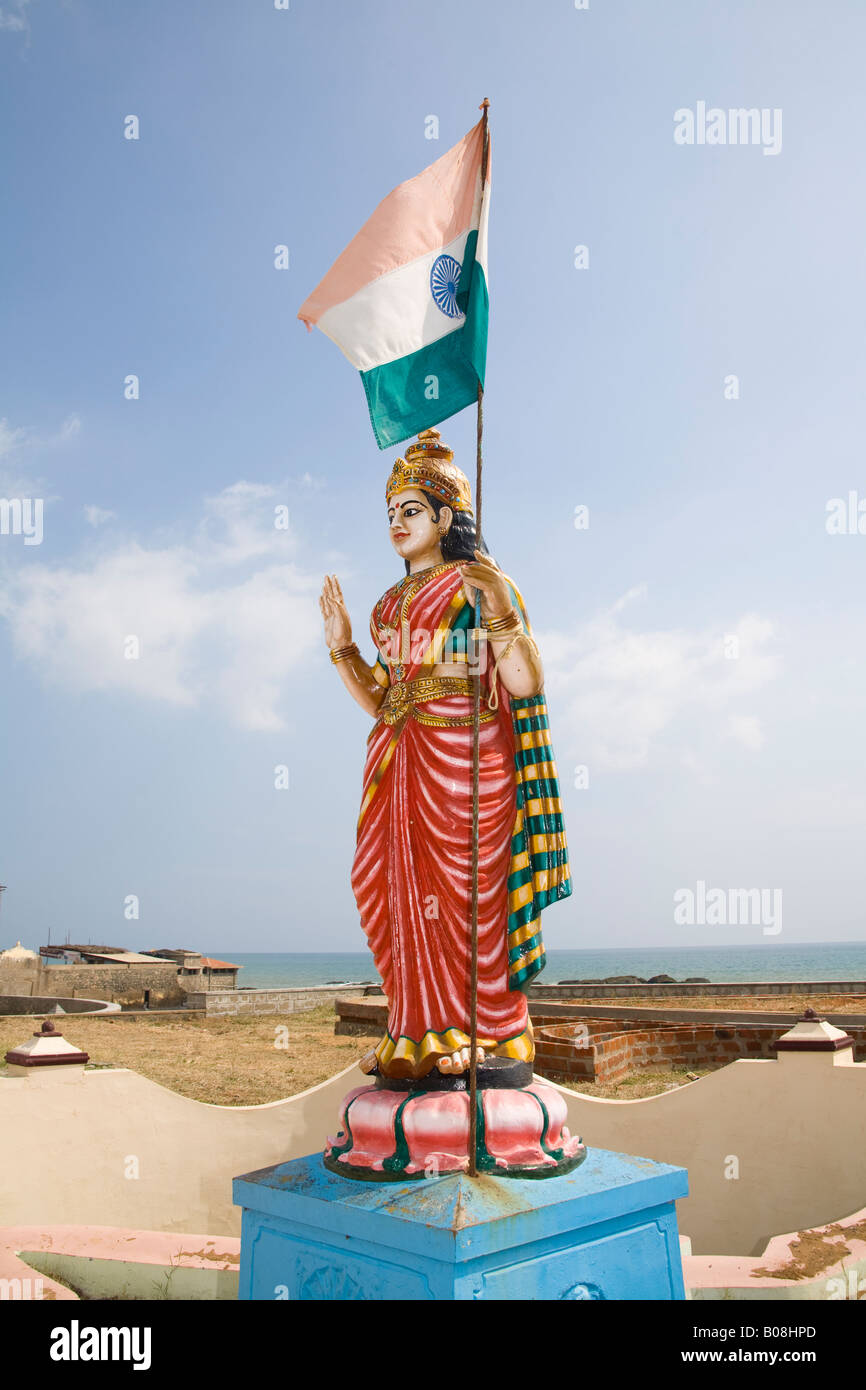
(412,873)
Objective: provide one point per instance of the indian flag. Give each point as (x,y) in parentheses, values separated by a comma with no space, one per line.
(407,300)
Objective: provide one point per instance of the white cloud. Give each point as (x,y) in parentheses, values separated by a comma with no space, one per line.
(14,19)
(68,430)
(746,729)
(10,439)
(222,618)
(238,524)
(21,437)
(14,482)
(17,444)
(98,516)
(312,482)
(618,692)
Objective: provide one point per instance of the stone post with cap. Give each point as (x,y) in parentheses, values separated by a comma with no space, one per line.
(816,1042)
(47,1056)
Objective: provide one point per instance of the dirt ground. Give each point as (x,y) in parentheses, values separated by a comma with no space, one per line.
(232,1061)
(237,1061)
(643,1082)
(250,1061)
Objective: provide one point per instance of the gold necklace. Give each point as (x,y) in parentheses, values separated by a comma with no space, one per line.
(405,591)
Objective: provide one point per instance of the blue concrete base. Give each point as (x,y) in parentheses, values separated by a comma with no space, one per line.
(608,1231)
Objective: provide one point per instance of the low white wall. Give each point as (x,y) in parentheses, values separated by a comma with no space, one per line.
(108,1147)
(791,1130)
(111,1148)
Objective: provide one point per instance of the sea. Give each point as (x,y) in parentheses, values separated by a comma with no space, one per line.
(838,960)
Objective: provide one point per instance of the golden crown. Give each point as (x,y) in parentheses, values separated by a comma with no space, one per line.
(428,466)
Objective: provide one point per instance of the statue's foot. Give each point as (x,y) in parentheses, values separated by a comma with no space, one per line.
(457,1061)
(369,1062)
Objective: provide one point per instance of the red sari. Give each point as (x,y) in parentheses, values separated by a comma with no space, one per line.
(412,869)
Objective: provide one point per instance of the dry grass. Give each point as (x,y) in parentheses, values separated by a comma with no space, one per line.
(762,1003)
(232,1061)
(642,1082)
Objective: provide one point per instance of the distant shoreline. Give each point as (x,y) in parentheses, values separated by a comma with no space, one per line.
(771,960)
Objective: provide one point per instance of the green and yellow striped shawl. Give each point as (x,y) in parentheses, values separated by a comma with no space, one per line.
(538,874)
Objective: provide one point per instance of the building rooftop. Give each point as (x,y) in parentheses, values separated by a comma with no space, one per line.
(171,951)
(210,964)
(58,950)
(123,957)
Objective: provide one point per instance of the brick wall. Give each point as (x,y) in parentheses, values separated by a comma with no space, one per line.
(607,1049)
(603,1055)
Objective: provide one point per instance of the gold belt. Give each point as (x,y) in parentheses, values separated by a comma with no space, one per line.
(403,697)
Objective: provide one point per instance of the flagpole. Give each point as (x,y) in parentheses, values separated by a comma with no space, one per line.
(476,757)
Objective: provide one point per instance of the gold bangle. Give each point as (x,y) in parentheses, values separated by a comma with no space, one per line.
(344,653)
(497,617)
(505,623)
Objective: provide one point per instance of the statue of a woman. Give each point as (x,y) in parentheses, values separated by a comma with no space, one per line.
(412,869)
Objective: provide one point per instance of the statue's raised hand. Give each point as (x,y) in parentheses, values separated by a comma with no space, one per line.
(338,627)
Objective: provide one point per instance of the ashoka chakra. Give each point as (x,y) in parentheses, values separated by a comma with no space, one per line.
(444,280)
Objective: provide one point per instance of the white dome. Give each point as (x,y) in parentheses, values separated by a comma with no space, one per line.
(18,952)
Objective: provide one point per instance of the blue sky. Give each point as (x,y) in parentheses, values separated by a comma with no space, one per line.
(606,388)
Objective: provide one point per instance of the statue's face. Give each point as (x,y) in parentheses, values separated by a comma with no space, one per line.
(412,529)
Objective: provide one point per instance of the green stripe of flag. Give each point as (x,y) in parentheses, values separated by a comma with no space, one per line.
(425,387)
